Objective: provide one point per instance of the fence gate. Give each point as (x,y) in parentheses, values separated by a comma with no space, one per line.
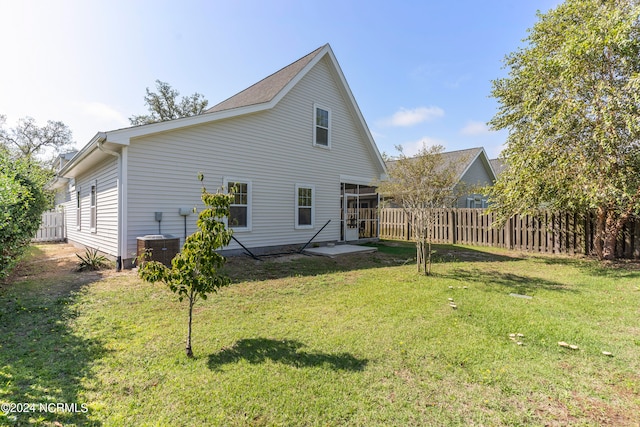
(51,228)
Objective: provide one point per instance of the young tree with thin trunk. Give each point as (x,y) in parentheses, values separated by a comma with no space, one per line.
(419,185)
(571,104)
(195,271)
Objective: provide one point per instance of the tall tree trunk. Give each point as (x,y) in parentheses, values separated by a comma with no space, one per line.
(601,223)
(614,227)
(610,238)
(419,253)
(608,229)
(192,301)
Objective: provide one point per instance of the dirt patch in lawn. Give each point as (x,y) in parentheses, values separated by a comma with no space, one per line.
(55,263)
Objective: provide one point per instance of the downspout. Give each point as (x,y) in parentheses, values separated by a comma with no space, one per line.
(101,141)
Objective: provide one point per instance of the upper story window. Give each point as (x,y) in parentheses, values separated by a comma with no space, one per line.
(240,209)
(322,127)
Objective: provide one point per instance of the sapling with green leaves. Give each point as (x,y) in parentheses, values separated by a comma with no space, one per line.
(419,185)
(196,270)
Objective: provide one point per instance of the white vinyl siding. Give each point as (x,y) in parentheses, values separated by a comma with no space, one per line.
(304,206)
(95,226)
(270,149)
(477,175)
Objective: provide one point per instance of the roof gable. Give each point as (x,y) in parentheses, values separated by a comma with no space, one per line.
(261,96)
(266,89)
(463,160)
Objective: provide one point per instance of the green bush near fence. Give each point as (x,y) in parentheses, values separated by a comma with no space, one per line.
(22,202)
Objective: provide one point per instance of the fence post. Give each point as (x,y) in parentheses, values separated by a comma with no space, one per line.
(408,225)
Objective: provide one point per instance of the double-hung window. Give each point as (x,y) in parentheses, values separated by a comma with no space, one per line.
(321,126)
(78,209)
(92,209)
(304,214)
(240,209)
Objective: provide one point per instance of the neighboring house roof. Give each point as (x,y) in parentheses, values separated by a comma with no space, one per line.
(498,166)
(263,95)
(463,161)
(266,89)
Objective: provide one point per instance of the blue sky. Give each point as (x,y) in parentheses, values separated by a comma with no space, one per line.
(420,71)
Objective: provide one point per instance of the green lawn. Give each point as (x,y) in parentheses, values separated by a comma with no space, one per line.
(360,340)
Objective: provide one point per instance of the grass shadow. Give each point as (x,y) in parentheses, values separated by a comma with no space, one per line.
(259,350)
(507,282)
(617,269)
(389,254)
(42,360)
(443,252)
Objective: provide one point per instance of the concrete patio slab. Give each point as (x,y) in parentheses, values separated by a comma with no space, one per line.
(333,251)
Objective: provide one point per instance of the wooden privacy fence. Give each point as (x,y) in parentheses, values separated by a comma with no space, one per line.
(51,228)
(366,221)
(547,232)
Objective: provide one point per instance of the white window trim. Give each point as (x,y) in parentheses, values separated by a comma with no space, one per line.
(313,206)
(93,209)
(476,202)
(78,209)
(328,146)
(226,180)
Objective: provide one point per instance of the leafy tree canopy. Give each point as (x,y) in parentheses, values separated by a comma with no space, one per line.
(30,141)
(164,105)
(418,185)
(571,105)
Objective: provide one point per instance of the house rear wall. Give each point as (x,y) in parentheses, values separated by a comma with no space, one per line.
(273,149)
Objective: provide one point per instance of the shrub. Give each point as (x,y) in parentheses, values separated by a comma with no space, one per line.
(22,202)
(92,261)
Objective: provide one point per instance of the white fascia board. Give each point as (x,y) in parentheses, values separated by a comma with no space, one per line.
(294,81)
(469,163)
(84,152)
(124,136)
(356,109)
(326,50)
(56,183)
(488,163)
(350,179)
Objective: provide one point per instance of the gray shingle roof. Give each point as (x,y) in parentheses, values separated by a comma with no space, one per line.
(266,89)
(498,166)
(462,159)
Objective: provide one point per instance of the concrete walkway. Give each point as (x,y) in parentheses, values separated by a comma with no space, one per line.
(333,251)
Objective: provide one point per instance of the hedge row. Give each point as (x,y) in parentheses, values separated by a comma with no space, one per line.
(22,202)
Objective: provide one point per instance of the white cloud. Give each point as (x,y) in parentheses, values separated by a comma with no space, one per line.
(412,148)
(405,117)
(475,128)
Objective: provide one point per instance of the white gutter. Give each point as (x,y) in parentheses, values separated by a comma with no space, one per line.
(121,228)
